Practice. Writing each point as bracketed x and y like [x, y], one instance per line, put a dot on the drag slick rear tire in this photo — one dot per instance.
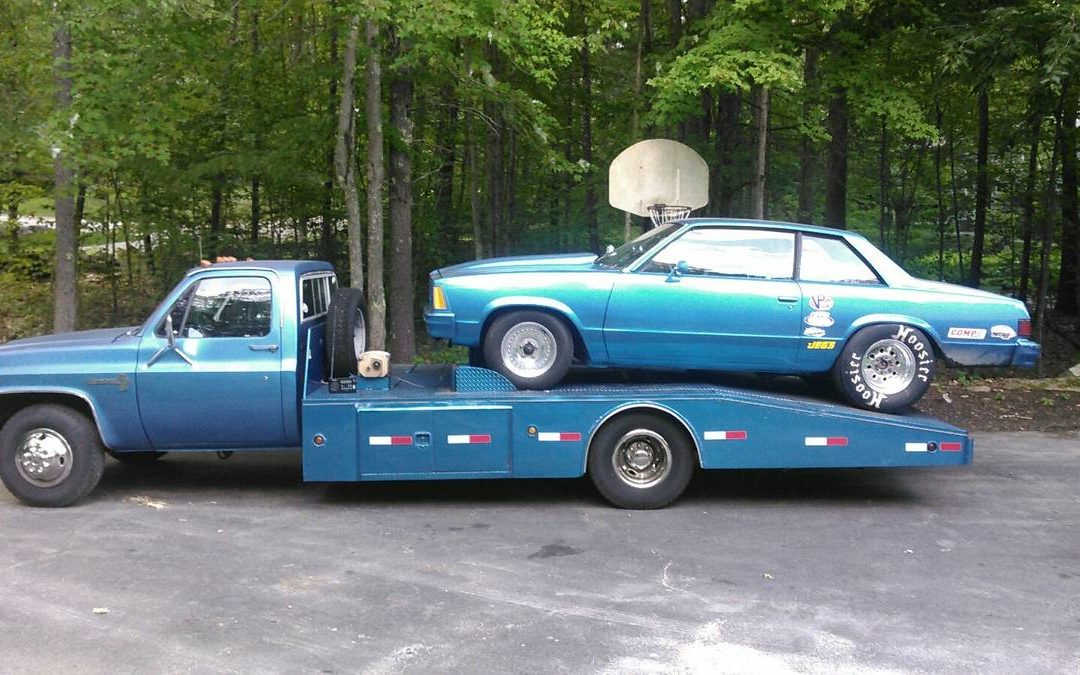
[641, 461]
[50, 455]
[885, 367]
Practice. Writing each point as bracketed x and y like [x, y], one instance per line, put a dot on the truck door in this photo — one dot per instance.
[217, 384]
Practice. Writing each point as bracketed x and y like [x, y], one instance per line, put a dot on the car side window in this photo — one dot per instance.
[224, 307]
[832, 260]
[755, 254]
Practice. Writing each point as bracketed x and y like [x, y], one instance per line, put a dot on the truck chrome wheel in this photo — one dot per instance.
[44, 458]
[528, 349]
[642, 458]
[888, 367]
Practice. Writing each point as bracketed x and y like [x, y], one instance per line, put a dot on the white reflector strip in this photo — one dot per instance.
[916, 447]
[826, 441]
[389, 440]
[725, 435]
[468, 439]
[558, 436]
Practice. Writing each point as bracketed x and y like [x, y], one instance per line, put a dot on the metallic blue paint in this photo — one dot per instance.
[630, 317]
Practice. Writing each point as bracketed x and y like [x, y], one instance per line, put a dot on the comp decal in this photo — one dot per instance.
[821, 344]
[967, 333]
[813, 331]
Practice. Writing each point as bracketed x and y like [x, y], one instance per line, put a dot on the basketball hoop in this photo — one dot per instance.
[661, 214]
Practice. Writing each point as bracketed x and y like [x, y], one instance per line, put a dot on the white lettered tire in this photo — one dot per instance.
[885, 367]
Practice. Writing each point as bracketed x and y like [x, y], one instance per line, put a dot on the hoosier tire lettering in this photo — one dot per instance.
[885, 367]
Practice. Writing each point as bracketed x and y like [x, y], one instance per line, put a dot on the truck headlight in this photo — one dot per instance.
[438, 298]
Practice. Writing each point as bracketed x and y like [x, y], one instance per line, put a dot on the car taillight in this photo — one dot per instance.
[1023, 328]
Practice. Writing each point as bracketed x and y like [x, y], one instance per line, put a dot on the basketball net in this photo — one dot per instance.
[661, 214]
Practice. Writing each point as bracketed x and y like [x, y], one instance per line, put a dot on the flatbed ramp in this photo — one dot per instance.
[444, 422]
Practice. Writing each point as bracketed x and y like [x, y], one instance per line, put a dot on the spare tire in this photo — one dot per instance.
[346, 332]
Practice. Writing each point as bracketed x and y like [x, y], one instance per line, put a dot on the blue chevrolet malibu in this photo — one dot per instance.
[728, 295]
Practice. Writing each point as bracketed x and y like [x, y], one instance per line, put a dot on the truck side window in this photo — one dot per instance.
[224, 307]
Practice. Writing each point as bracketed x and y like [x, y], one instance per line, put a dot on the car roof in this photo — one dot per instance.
[771, 224]
[296, 267]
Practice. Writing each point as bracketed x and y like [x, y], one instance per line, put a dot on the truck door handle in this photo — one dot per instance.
[787, 298]
[263, 348]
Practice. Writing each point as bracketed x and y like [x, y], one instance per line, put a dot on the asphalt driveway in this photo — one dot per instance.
[208, 565]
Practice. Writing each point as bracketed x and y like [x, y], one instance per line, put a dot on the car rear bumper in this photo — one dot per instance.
[1026, 354]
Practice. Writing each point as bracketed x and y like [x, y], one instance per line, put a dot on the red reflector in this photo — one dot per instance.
[1023, 328]
[950, 446]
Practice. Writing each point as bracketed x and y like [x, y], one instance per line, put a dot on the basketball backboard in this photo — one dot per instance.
[658, 172]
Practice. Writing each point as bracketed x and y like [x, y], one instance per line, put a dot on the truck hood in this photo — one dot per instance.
[110, 350]
[569, 262]
[64, 341]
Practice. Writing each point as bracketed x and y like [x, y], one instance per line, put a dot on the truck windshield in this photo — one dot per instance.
[632, 250]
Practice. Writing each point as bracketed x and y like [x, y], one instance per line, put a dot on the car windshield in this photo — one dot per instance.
[632, 250]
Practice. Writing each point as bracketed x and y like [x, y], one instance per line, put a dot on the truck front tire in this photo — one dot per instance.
[641, 461]
[50, 455]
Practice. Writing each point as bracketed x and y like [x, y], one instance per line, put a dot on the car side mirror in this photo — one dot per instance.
[677, 271]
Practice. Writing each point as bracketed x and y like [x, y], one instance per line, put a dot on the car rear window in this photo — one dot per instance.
[831, 260]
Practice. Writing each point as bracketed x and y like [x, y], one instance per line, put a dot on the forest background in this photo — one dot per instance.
[390, 138]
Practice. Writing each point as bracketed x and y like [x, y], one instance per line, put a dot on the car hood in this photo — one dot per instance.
[569, 262]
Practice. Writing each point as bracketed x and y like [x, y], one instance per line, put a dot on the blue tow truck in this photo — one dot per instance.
[263, 355]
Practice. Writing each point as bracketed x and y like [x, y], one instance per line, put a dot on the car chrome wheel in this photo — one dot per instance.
[528, 349]
[642, 458]
[43, 458]
[888, 367]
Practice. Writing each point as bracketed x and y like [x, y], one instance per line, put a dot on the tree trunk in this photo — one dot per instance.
[217, 222]
[728, 133]
[807, 159]
[1070, 215]
[939, 193]
[65, 309]
[883, 186]
[326, 233]
[591, 223]
[982, 185]
[344, 159]
[836, 159]
[402, 286]
[955, 207]
[256, 213]
[376, 294]
[444, 186]
[493, 156]
[761, 142]
[1043, 291]
[1027, 214]
[475, 215]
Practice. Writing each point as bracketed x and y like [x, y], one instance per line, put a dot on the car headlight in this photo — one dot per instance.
[438, 298]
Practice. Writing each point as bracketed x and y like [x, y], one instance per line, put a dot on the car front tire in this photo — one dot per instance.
[532, 349]
[885, 367]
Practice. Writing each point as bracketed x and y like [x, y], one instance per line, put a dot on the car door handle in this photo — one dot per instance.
[263, 348]
[787, 298]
